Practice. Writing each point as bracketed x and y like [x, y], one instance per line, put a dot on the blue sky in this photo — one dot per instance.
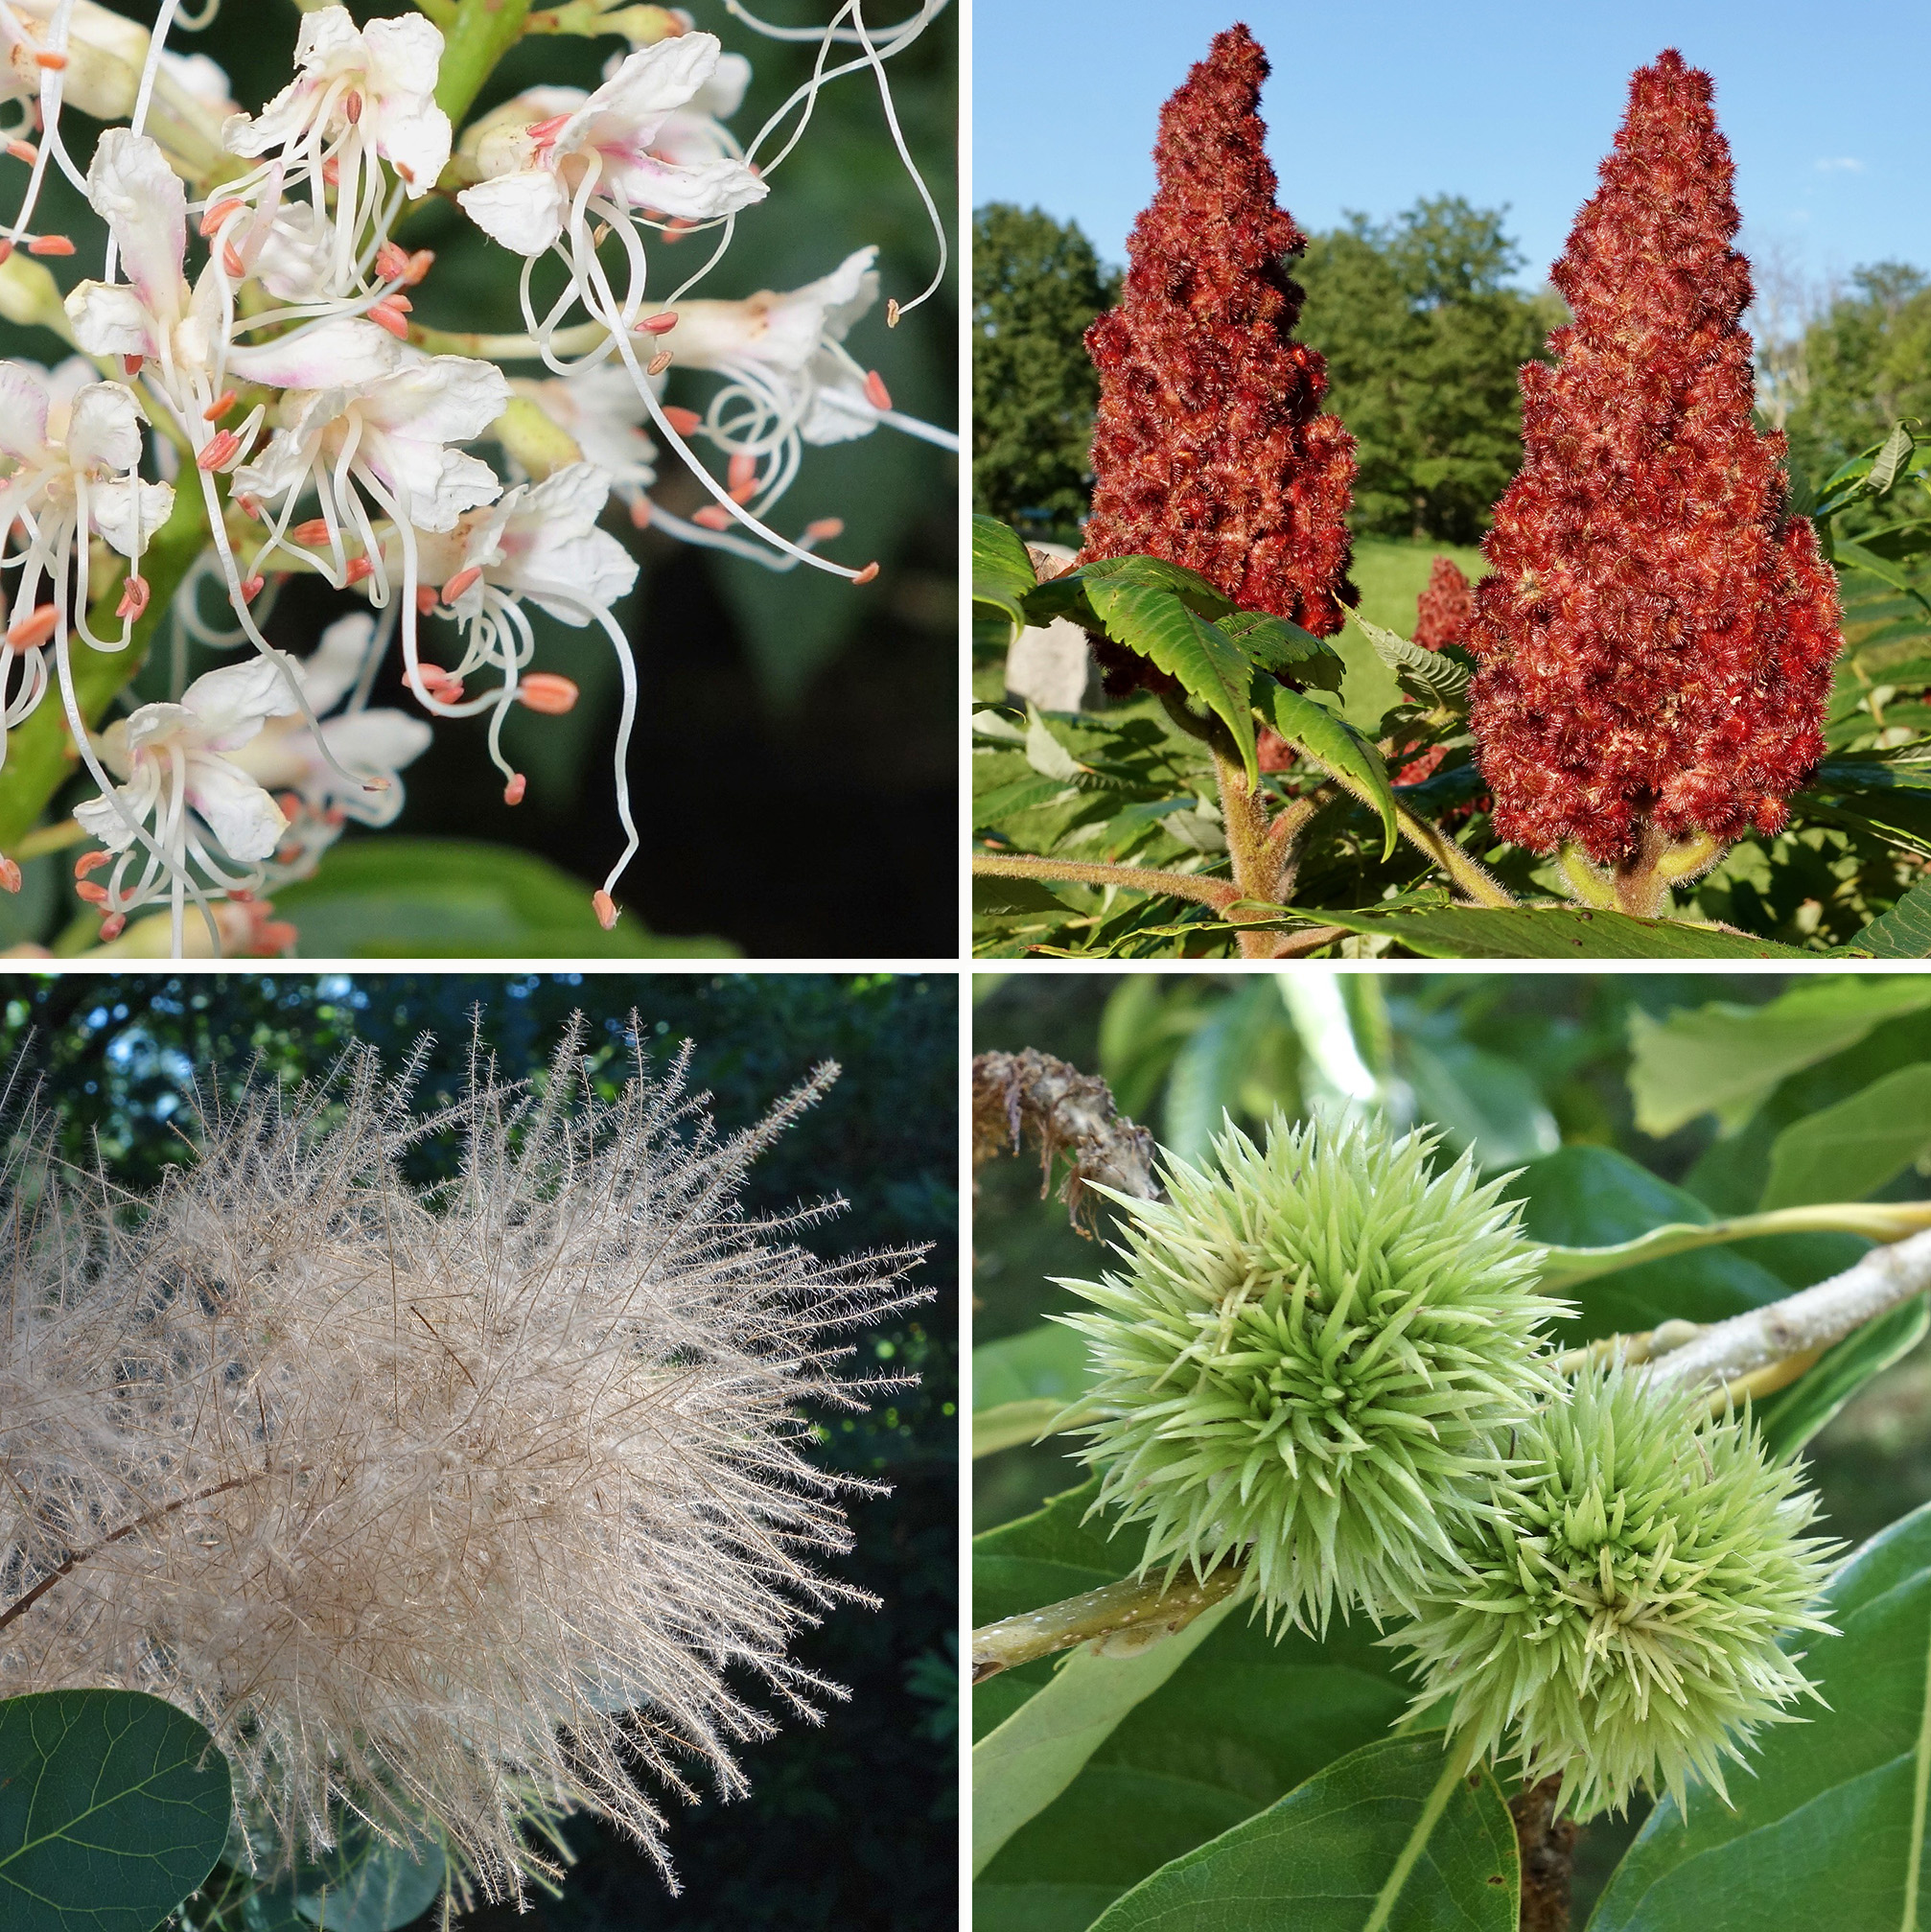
[1371, 106]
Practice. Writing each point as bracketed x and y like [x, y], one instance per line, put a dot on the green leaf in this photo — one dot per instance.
[1434, 677]
[390, 898]
[1830, 1830]
[1002, 574]
[1050, 1361]
[113, 1807]
[1390, 1818]
[1904, 932]
[1006, 899]
[1593, 1197]
[1209, 665]
[1726, 1059]
[1242, 1722]
[1335, 745]
[1846, 552]
[1548, 932]
[1020, 1767]
[1482, 1100]
[1890, 459]
[1070, 594]
[363, 1885]
[1793, 1415]
[1286, 649]
[1849, 1150]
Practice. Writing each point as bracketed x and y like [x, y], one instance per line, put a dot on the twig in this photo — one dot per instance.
[1216, 893]
[1812, 1319]
[21, 1605]
[1125, 1616]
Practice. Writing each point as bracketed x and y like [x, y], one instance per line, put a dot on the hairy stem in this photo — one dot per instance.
[1139, 1610]
[478, 38]
[1243, 814]
[1812, 1319]
[40, 753]
[1473, 878]
[1216, 893]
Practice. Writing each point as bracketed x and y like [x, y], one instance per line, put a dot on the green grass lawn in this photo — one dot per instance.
[1392, 570]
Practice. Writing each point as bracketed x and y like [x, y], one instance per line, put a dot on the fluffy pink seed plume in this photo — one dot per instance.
[448, 1507]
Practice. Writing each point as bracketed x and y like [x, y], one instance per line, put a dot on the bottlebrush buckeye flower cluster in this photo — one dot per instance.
[1211, 449]
[1656, 631]
[1620, 1618]
[252, 369]
[445, 1508]
[1311, 1361]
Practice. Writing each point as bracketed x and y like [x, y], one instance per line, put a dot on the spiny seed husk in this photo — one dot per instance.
[1308, 1359]
[1621, 1624]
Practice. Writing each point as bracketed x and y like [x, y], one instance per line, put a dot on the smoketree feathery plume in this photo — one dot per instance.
[448, 1507]
[1656, 631]
[1210, 448]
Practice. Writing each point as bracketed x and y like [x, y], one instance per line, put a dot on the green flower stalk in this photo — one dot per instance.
[1308, 1364]
[1622, 1624]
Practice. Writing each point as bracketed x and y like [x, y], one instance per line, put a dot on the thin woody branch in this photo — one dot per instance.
[1219, 893]
[1134, 1613]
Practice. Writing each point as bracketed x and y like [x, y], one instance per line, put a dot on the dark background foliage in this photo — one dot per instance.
[850, 1825]
[758, 693]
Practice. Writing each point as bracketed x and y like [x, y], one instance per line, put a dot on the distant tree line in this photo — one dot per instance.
[1424, 339]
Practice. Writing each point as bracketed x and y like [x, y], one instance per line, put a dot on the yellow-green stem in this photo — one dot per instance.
[479, 36]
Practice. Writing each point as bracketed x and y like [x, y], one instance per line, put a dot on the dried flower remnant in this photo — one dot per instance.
[1211, 449]
[1656, 632]
[445, 1505]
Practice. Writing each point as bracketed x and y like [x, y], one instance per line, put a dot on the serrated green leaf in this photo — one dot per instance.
[1904, 932]
[1002, 575]
[1548, 932]
[1286, 649]
[1849, 1150]
[1334, 744]
[1890, 459]
[1388, 1818]
[995, 897]
[1209, 665]
[1045, 753]
[113, 1807]
[1434, 677]
[1830, 1829]
[1846, 551]
[1793, 1415]
[393, 897]
[1070, 593]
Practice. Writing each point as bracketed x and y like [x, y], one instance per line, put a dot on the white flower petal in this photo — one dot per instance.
[330, 671]
[101, 819]
[436, 484]
[248, 821]
[699, 193]
[405, 54]
[113, 508]
[23, 411]
[575, 577]
[142, 200]
[655, 80]
[523, 212]
[103, 428]
[343, 350]
[111, 320]
[722, 94]
[279, 467]
[568, 500]
[442, 398]
[380, 740]
[228, 705]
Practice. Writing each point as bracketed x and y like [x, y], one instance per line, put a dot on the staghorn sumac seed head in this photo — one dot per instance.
[1210, 448]
[1656, 631]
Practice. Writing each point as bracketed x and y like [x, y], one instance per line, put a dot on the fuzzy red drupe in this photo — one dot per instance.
[1211, 449]
[1656, 632]
[1445, 608]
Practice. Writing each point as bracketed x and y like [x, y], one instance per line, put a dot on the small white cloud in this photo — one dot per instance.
[1845, 164]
